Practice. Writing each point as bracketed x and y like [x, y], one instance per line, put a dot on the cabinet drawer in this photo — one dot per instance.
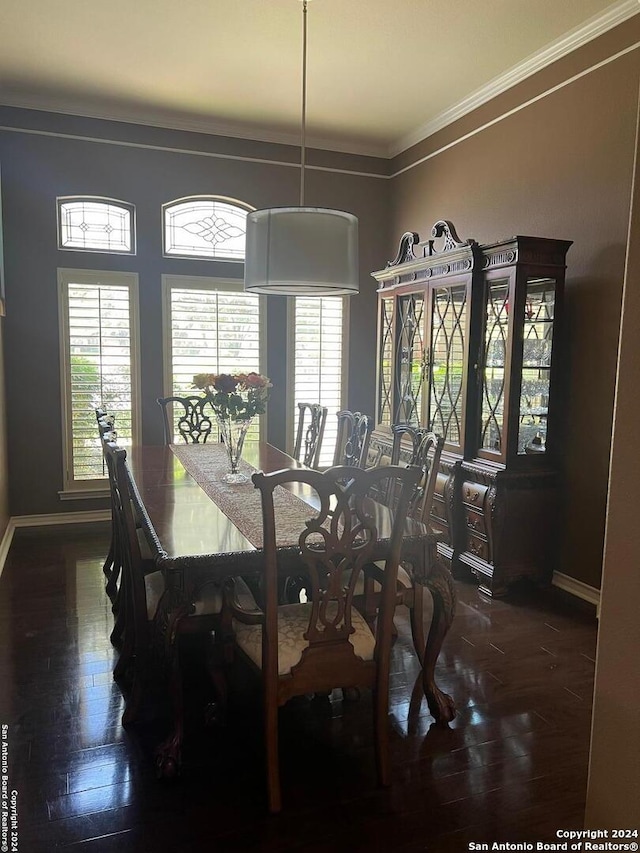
[474, 494]
[475, 521]
[477, 546]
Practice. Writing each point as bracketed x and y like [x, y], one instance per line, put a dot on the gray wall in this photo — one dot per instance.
[48, 162]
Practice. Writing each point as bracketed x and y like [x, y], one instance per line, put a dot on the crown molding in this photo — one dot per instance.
[591, 29]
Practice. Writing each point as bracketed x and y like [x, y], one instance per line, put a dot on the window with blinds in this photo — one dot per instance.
[213, 327]
[319, 361]
[99, 366]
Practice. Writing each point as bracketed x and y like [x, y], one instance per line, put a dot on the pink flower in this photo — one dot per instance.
[256, 380]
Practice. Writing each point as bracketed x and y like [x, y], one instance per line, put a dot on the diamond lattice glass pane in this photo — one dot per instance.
[386, 360]
[493, 376]
[213, 331]
[99, 370]
[205, 228]
[448, 342]
[410, 358]
[318, 348]
[536, 365]
[95, 225]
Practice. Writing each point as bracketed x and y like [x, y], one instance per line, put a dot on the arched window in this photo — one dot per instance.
[94, 224]
[210, 227]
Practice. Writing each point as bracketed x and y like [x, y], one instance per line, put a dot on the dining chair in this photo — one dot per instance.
[352, 442]
[112, 563]
[144, 587]
[416, 448]
[194, 422]
[112, 567]
[122, 635]
[310, 433]
[324, 643]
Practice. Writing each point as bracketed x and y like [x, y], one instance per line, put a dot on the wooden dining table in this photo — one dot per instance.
[196, 538]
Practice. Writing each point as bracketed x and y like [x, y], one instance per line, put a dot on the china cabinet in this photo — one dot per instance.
[466, 339]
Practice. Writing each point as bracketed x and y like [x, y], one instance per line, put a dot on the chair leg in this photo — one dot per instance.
[416, 618]
[108, 563]
[381, 733]
[133, 699]
[117, 635]
[123, 635]
[271, 742]
[112, 588]
[370, 607]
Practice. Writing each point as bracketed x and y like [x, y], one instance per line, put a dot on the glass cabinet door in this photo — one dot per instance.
[410, 361]
[447, 362]
[537, 340]
[494, 366]
[385, 362]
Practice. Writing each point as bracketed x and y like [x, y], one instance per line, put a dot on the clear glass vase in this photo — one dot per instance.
[233, 434]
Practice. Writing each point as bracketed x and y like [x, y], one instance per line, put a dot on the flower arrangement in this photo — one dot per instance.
[235, 396]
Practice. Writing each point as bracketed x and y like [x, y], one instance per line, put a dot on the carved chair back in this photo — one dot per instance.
[421, 448]
[195, 418]
[325, 643]
[352, 443]
[311, 421]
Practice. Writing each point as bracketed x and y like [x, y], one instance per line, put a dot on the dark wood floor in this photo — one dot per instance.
[511, 767]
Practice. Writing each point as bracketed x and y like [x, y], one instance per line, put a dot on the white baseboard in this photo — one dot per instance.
[46, 520]
[578, 588]
[5, 544]
[85, 517]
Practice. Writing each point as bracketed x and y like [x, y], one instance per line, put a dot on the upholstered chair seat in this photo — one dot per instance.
[293, 623]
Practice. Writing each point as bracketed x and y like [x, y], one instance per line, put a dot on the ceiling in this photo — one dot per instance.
[382, 74]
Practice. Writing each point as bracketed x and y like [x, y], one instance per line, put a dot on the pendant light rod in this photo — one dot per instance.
[301, 251]
[303, 129]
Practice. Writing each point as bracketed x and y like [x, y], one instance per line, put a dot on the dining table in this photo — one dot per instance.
[201, 530]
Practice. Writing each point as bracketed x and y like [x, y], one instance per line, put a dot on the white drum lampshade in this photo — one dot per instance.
[301, 251]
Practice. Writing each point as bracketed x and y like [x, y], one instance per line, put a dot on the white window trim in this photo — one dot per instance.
[114, 201]
[206, 283]
[202, 197]
[291, 336]
[91, 489]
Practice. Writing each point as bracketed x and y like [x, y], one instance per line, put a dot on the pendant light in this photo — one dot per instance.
[301, 251]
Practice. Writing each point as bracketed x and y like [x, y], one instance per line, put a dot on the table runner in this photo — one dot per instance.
[207, 463]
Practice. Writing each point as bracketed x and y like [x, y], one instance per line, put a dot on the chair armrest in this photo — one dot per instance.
[245, 610]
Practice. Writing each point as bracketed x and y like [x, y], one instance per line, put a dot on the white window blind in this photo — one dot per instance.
[319, 342]
[99, 355]
[212, 330]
